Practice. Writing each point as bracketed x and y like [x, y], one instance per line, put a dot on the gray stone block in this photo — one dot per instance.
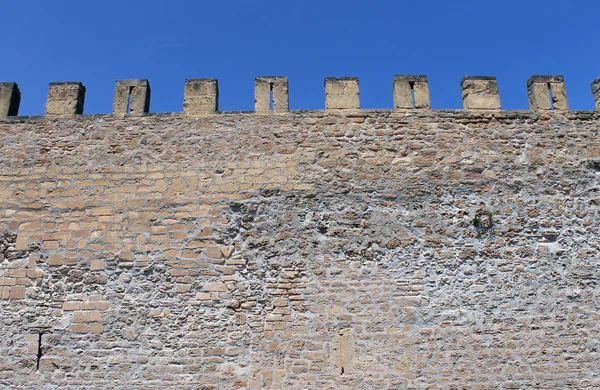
[201, 97]
[65, 98]
[411, 92]
[132, 97]
[480, 93]
[271, 93]
[342, 93]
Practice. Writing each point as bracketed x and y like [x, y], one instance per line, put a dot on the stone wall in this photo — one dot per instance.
[302, 250]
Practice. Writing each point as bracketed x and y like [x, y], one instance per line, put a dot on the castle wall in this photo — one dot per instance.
[318, 249]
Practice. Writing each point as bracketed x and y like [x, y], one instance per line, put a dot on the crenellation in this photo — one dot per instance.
[411, 92]
[547, 93]
[201, 97]
[65, 98]
[480, 93]
[132, 97]
[271, 94]
[10, 99]
[342, 93]
[596, 92]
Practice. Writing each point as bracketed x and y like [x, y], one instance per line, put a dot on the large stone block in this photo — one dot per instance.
[480, 93]
[65, 98]
[271, 94]
[341, 93]
[10, 98]
[547, 93]
[411, 92]
[132, 97]
[201, 97]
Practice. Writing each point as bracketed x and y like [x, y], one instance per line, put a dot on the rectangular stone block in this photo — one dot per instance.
[65, 98]
[342, 93]
[201, 97]
[547, 93]
[10, 99]
[132, 97]
[596, 92]
[411, 92]
[480, 93]
[271, 94]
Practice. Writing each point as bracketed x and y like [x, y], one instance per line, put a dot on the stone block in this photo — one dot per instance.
[10, 99]
[97, 265]
[547, 93]
[132, 97]
[65, 98]
[596, 92]
[17, 292]
[201, 97]
[271, 94]
[411, 92]
[342, 93]
[480, 93]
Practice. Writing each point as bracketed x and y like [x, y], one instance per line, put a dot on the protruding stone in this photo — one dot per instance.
[10, 99]
[132, 97]
[65, 98]
[271, 94]
[480, 93]
[411, 92]
[341, 93]
[547, 93]
[201, 97]
[596, 92]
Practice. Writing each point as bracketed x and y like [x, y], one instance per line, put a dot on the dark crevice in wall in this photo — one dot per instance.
[39, 352]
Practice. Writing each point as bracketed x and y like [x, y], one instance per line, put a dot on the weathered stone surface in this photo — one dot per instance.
[480, 93]
[411, 92]
[547, 93]
[65, 98]
[271, 94]
[132, 97]
[341, 93]
[311, 250]
[201, 97]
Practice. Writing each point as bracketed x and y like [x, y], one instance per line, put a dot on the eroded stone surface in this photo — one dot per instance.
[433, 249]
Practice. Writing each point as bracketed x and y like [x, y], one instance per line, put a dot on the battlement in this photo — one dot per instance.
[201, 96]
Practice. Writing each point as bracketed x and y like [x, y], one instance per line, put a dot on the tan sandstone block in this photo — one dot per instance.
[55, 259]
[17, 292]
[215, 287]
[96, 328]
[97, 265]
[79, 328]
[69, 306]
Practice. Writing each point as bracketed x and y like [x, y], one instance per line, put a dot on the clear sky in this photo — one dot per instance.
[98, 42]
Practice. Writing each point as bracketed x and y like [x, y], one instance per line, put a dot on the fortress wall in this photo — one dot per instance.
[318, 249]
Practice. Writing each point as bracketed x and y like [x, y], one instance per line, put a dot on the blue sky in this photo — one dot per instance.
[98, 42]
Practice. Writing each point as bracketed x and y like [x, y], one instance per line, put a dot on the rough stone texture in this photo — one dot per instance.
[313, 250]
[480, 93]
[341, 93]
[132, 97]
[271, 94]
[596, 92]
[10, 99]
[201, 97]
[411, 92]
[65, 98]
[539, 89]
